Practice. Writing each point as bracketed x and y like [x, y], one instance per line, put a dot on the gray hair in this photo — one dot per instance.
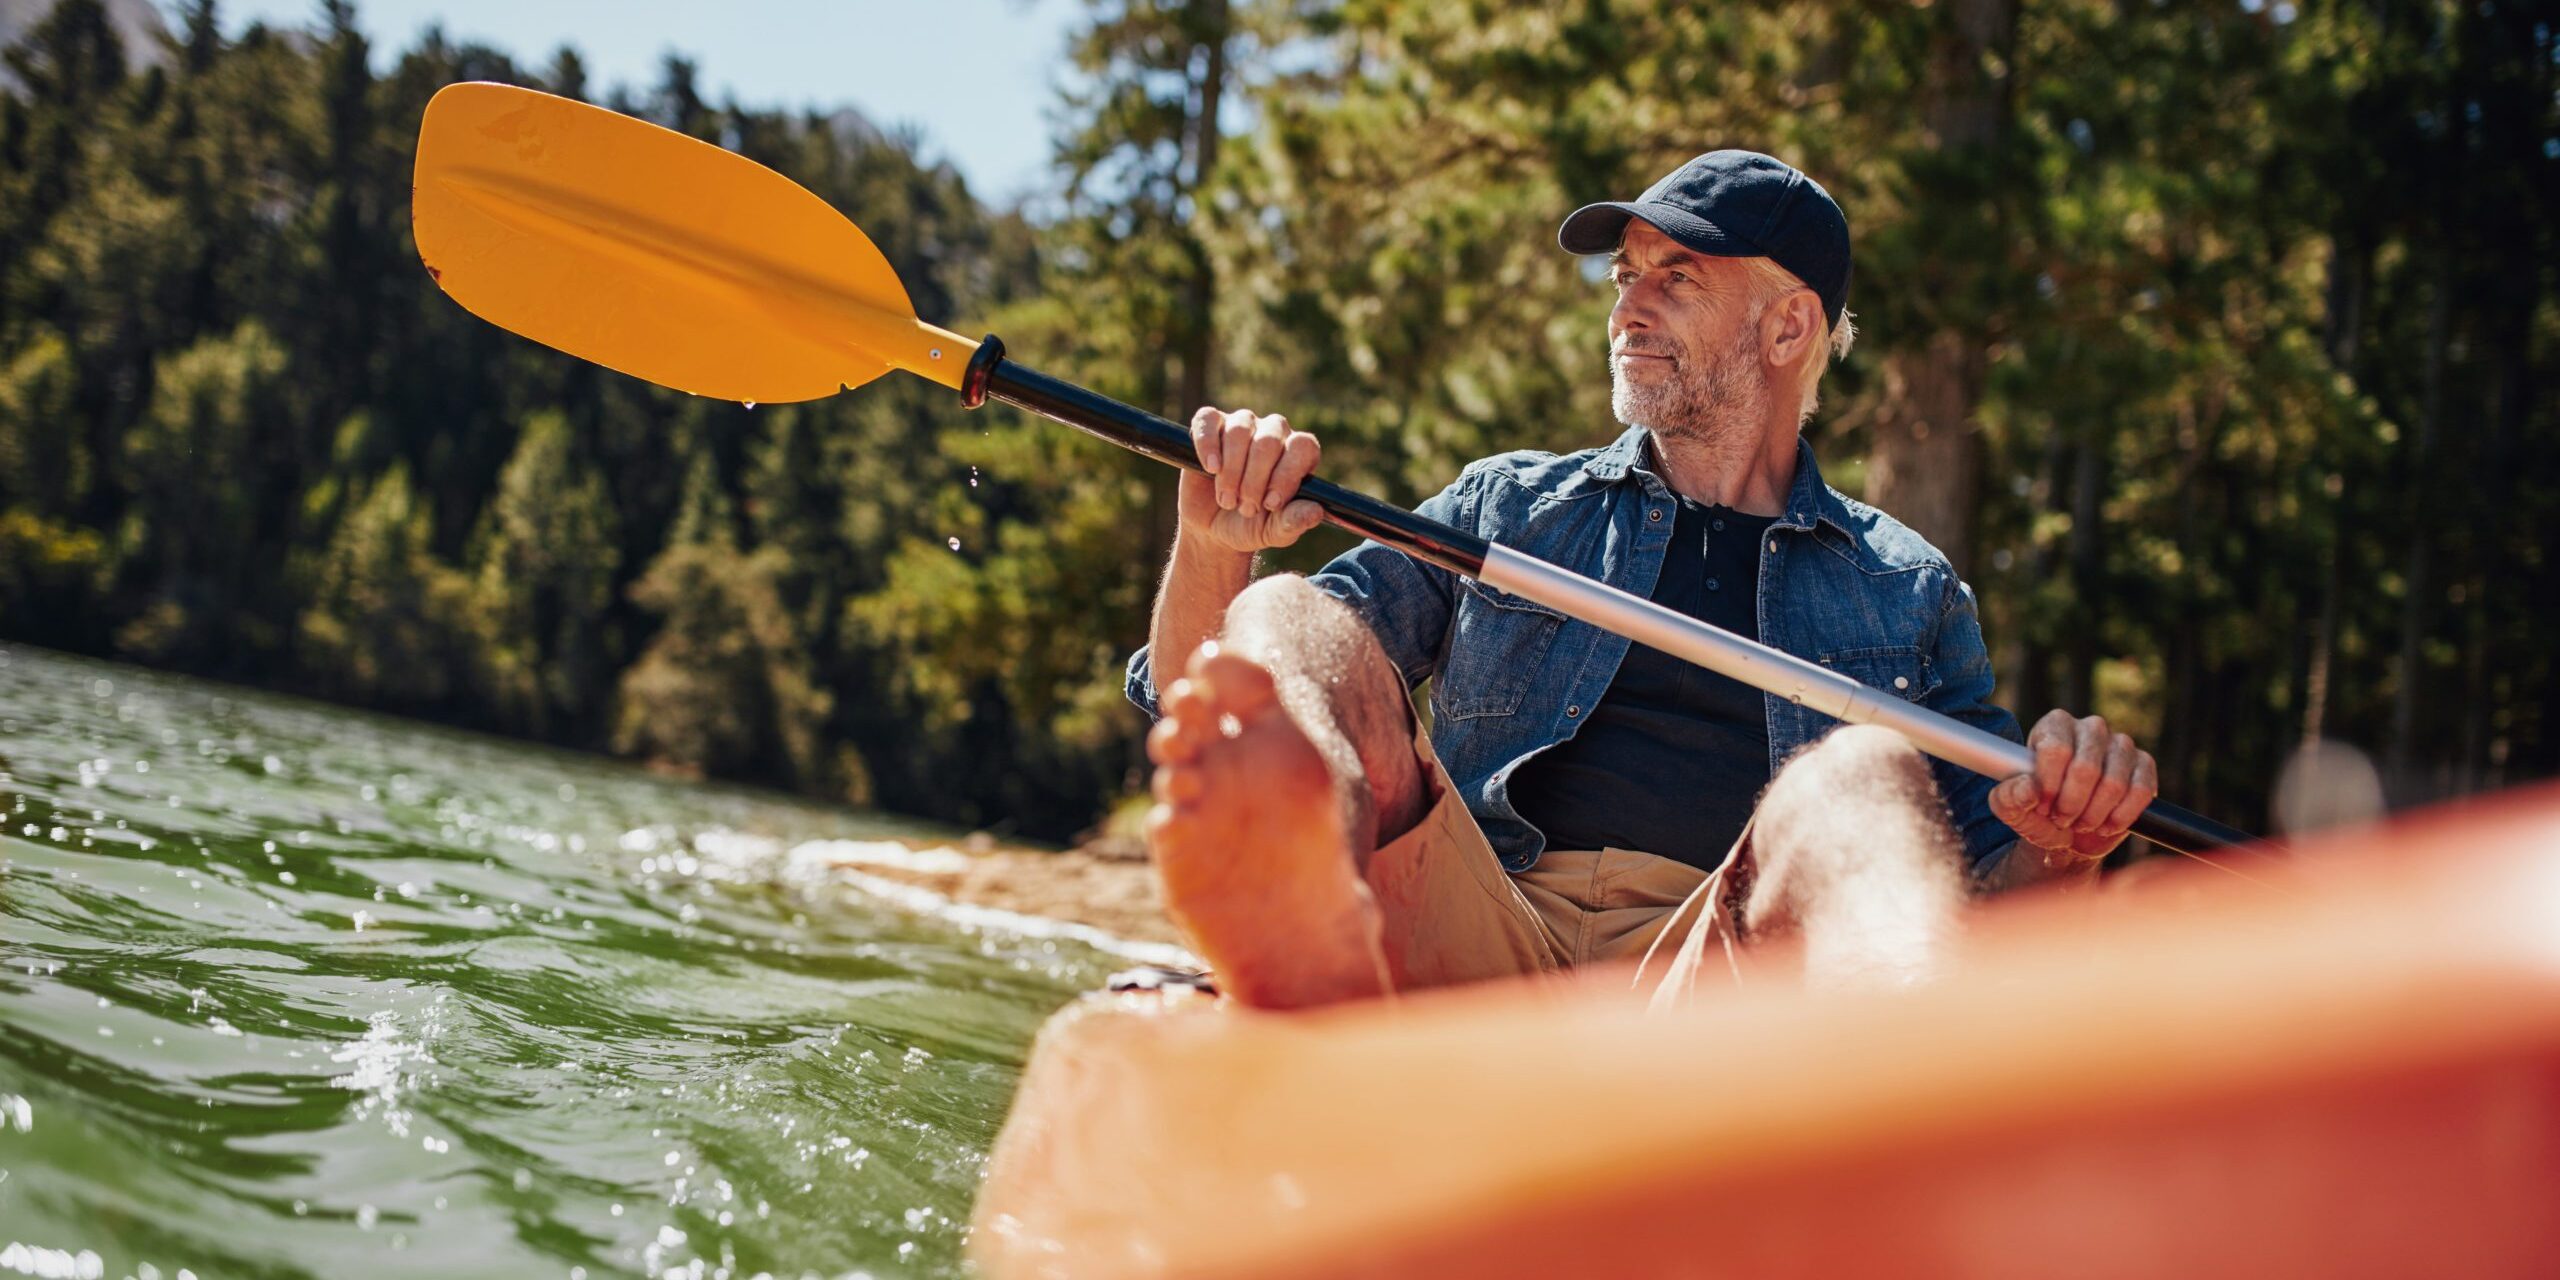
[1771, 282]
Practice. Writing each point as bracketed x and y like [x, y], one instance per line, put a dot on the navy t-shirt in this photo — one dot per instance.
[1673, 759]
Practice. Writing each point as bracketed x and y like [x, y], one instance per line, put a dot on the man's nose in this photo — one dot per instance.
[1634, 310]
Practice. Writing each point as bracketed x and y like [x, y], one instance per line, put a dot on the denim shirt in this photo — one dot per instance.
[1841, 583]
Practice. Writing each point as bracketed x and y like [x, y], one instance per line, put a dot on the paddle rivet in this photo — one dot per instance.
[934, 354]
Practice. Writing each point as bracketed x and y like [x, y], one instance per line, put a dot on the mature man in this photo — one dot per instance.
[1577, 795]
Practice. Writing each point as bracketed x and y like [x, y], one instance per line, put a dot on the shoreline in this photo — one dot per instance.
[1097, 888]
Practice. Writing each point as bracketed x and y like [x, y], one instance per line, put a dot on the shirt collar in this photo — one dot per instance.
[1808, 500]
[1612, 464]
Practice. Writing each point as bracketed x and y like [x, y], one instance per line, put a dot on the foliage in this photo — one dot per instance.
[387, 623]
[2199, 314]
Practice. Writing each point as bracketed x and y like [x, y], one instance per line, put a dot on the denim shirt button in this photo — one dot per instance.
[1713, 585]
[1572, 712]
[1716, 525]
[1773, 544]
[1654, 515]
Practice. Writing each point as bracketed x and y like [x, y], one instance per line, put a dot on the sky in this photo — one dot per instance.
[976, 78]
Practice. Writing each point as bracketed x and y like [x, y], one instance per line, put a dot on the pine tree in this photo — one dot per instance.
[544, 561]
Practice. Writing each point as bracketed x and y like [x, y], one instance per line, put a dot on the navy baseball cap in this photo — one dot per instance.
[1734, 204]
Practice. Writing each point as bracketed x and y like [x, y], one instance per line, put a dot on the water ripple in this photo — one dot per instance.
[290, 990]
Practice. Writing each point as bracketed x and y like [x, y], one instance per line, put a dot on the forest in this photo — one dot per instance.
[2212, 340]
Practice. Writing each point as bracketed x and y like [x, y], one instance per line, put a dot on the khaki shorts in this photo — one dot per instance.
[1453, 915]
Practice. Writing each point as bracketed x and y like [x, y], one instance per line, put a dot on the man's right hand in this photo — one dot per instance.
[1248, 498]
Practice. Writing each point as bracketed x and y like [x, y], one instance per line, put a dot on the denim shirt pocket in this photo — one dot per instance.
[1497, 650]
[1899, 669]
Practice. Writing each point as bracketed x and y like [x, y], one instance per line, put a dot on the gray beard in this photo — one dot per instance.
[1719, 401]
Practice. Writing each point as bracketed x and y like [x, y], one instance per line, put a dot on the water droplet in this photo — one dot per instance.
[955, 544]
[749, 405]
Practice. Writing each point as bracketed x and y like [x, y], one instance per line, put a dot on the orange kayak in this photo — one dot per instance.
[2347, 1064]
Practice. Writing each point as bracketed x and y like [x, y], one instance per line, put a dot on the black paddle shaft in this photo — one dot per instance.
[991, 376]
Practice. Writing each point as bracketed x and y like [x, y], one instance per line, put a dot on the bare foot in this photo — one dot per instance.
[1248, 841]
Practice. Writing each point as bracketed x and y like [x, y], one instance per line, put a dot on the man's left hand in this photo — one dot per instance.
[2088, 786]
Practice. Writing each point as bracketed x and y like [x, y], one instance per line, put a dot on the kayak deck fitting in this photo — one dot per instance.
[2347, 1065]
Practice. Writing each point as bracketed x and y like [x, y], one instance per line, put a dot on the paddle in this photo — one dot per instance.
[671, 260]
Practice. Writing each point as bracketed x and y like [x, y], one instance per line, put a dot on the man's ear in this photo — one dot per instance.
[1792, 326]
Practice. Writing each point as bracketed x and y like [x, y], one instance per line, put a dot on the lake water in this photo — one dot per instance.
[291, 990]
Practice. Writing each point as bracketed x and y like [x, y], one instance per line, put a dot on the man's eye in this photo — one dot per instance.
[1680, 277]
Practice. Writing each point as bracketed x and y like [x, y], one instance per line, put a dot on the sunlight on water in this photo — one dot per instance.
[290, 990]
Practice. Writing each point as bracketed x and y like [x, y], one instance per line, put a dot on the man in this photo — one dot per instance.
[1579, 797]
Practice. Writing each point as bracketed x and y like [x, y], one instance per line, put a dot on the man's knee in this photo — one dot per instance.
[1854, 759]
[1294, 626]
[1345, 692]
[1846, 803]
[1281, 605]
[1852, 844]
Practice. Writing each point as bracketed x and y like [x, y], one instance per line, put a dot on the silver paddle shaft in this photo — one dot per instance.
[1753, 663]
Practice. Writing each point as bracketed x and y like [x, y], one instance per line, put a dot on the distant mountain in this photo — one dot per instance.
[138, 22]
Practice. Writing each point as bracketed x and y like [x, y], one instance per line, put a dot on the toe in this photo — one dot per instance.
[1186, 699]
[1174, 785]
[1202, 656]
[1161, 822]
[1177, 739]
[1237, 685]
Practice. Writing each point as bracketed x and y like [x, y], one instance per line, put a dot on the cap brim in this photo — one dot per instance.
[1597, 228]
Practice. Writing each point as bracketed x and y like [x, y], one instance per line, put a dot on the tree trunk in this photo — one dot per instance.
[1924, 464]
[1200, 292]
[2088, 483]
[2037, 638]
[1924, 467]
[2324, 641]
[1198, 337]
[2419, 584]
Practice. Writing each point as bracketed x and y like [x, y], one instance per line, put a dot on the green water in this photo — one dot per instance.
[291, 990]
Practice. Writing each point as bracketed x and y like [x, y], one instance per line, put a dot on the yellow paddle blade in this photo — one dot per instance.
[657, 255]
